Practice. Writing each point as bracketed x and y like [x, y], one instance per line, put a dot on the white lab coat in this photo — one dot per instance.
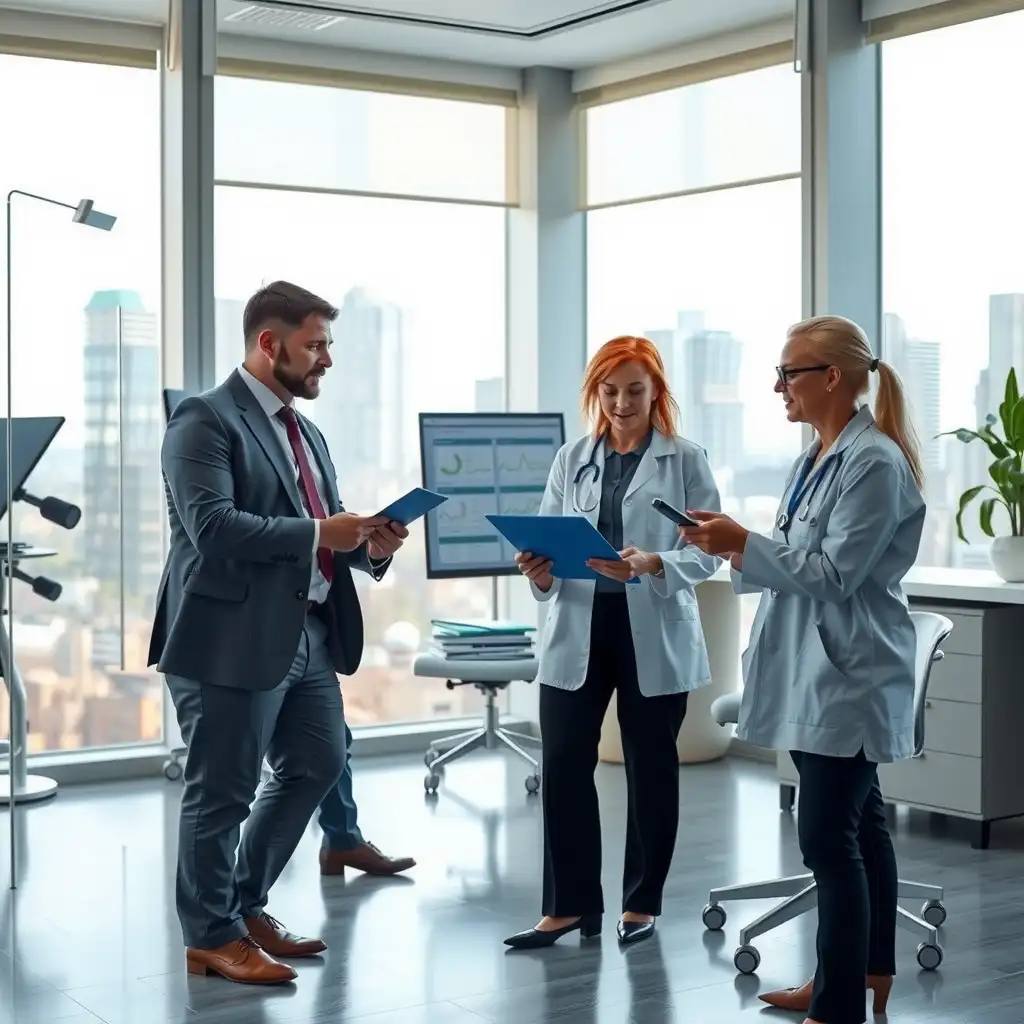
[830, 665]
[667, 635]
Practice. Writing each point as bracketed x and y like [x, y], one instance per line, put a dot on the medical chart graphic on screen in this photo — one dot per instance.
[485, 463]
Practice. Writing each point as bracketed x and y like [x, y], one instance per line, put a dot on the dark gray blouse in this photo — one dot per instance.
[616, 477]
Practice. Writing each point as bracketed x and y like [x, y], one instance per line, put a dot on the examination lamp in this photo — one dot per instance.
[56, 510]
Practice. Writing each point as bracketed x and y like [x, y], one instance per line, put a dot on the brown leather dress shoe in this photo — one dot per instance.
[365, 857]
[273, 937]
[799, 999]
[242, 961]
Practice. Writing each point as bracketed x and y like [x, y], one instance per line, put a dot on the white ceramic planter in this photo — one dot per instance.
[1007, 555]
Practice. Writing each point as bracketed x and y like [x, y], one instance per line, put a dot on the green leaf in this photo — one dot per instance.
[1015, 431]
[965, 499]
[985, 516]
[1012, 394]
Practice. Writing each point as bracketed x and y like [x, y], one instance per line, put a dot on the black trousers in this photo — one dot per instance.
[845, 842]
[570, 724]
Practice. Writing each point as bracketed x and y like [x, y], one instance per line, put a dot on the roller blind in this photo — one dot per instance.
[239, 67]
[889, 19]
[89, 53]
[689, 74]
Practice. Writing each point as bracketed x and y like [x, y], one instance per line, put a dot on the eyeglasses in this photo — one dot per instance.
[787, 373]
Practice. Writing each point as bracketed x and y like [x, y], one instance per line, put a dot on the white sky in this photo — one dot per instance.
[954, 212]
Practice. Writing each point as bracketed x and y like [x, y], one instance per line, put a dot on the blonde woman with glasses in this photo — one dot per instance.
[829, 671]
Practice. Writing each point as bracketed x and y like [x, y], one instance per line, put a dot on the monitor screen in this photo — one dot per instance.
[485, 463]
[172, 398]
[30, 437]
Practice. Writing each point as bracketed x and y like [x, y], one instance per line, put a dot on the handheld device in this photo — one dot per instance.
[672, 513]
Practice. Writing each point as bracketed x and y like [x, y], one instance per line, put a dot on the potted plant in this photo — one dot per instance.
[1006, 490]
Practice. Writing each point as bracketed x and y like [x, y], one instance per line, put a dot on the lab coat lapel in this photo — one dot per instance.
[648, 468]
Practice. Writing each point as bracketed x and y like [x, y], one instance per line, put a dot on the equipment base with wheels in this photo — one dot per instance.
[490, 736]
[36, 789]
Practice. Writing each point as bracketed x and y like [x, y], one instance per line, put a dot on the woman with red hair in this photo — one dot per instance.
[633, 629]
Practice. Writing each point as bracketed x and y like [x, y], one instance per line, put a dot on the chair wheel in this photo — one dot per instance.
[532, 784]
[934, 913]
[929, 956]
[714, 917]
[173, 770]
[746, 959]
[431, 782]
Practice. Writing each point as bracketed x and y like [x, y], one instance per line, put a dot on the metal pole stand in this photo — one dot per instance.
[27, 788]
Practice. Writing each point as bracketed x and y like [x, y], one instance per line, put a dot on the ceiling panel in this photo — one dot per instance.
[613, 37]
[524, 18]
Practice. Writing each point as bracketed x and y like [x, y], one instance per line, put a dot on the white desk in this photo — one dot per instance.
[972, 766]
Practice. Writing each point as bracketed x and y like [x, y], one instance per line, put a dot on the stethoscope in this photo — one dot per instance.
[588, 471]
[803, 487]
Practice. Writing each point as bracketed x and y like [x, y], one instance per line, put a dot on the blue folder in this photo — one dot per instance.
[567, 540]
[412, 506]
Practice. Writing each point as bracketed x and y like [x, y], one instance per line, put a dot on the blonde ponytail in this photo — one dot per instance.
[843, 344]
[892, 419]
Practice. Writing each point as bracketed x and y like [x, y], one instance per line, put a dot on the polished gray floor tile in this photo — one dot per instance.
[91, 935]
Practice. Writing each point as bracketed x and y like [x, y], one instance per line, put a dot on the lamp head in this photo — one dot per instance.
[86, 213]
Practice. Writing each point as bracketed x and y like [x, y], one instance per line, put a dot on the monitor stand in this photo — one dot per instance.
[27, 788]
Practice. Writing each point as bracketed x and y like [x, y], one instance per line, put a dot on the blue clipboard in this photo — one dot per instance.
[412, 506]
[567, 540]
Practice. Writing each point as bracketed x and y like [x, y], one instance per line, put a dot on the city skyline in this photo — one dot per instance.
[951, 220]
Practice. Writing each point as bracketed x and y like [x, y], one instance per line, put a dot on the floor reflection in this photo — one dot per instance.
[91, 933]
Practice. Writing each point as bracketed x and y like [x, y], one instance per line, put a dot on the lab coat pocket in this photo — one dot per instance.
[822, 692]
[680, 610]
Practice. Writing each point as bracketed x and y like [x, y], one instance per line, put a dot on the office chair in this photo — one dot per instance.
[490, 678]
[800, 891]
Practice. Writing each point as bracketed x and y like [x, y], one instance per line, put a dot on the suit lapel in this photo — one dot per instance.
[259, 425]
[323, 460]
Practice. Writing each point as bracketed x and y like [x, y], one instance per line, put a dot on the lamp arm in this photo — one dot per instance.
[41, 199]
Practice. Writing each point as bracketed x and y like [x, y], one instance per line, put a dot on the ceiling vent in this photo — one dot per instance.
[275, 17]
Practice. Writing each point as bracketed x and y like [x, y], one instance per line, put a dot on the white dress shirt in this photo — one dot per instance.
[319, 587]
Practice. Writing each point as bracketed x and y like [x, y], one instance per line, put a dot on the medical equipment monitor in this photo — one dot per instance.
[485, 463]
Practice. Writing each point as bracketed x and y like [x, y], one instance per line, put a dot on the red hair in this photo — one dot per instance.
[607, 359]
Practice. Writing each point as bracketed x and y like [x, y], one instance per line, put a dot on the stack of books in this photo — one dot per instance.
[481, 639]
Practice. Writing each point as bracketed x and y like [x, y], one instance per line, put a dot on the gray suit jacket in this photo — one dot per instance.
[234, 591]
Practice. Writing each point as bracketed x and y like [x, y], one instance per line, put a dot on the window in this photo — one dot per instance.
[86, 346]
[953, 274]
[712, 277]
[360, 141]
[421, 289]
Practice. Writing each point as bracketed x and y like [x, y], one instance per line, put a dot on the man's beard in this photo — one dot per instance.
[293, 383]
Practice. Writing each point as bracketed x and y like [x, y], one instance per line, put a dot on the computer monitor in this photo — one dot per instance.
[30, 437]
[485, 463]
[172, 398]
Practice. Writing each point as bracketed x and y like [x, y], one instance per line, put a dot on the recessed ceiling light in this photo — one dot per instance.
[275, 17]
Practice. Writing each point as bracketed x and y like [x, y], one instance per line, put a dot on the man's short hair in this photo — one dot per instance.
[285, 303]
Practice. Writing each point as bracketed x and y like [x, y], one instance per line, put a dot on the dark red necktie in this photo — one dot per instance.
[306, 484]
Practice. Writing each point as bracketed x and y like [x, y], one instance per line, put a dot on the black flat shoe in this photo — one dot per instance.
[588, 926]
[634, 931]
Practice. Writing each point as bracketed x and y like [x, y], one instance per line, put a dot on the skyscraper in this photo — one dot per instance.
[123, 503]
[1005, 344]
[919, 365]
[362, 409]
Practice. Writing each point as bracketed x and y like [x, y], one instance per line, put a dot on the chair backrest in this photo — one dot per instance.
[931, 629]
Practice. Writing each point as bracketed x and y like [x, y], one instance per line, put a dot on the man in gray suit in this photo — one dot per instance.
[256, 615]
